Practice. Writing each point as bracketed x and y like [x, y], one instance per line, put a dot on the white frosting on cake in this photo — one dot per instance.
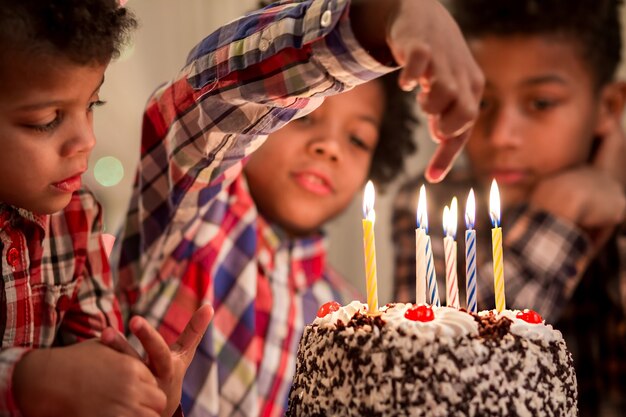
[344, 314]
[533, 331]
[448, 321]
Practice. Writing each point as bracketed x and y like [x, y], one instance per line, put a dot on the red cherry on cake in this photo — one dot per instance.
[328, 308]
[529, 316]
[420, 313]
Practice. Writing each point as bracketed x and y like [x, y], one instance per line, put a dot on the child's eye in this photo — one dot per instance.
[305, 120]
[359, 142]
[95, 104]
[542, 104]
[48, 126]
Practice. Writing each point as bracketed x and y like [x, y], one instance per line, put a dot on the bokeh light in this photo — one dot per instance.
[108, 171]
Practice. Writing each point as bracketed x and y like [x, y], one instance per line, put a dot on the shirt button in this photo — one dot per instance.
[13, 256]
[326, 19]
[264, 44]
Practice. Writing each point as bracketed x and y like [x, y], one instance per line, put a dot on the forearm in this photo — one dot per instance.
[9, 360]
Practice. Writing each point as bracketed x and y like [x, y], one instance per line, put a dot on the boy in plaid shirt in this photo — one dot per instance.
[217, 217]
[56, 289]
[549, 132]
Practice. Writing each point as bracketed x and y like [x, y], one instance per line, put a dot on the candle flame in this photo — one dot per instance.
[422, 212]
[445, 221]
[453, 217]
[368, 202]
[470, 210]
[494, 204]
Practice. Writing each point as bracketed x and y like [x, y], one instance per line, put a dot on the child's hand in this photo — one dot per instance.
[85, 379]
[168, 364]
[424, 39]
[590, 196]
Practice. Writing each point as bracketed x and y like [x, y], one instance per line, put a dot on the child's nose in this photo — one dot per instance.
[81, 141]
[504, 130]
[326, 147]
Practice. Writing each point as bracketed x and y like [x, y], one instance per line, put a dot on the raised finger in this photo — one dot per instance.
[192, 334]
[444, 157]
[158, 352]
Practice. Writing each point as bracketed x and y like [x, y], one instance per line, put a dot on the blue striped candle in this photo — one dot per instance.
[470, 253]
[431, 276]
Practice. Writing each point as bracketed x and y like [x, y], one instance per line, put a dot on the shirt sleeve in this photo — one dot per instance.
[8, 360]
[544, 258]
[239, 84]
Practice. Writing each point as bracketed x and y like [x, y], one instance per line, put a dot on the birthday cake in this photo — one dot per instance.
[421, 361]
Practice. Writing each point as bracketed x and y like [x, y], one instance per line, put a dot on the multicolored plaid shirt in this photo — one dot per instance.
[547, 268]
[194, 234]
[56, 287]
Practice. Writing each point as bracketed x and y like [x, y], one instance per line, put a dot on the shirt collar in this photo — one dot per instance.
[9, 214]
[306, 256]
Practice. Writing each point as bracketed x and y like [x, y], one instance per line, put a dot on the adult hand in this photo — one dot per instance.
[591, 196]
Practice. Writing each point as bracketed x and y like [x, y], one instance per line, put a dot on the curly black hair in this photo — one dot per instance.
[592, 25]
[396, 132]
[83, 31]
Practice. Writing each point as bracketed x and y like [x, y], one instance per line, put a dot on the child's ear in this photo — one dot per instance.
[612, 101]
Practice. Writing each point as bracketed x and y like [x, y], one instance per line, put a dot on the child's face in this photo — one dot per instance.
[46, 132]
[308, 172]
[539, 113]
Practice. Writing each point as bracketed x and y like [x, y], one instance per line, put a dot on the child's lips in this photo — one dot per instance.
[509, 176]
[315, 182]
[69, 184]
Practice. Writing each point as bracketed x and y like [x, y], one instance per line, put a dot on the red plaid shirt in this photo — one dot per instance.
[56, 284]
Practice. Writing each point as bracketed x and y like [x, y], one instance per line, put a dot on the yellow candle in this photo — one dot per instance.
[496, 241]
[369, 247]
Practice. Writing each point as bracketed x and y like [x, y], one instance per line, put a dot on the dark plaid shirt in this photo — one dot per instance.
[547, 267]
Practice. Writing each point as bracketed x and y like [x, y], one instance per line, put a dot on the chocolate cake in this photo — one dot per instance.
[420, 361]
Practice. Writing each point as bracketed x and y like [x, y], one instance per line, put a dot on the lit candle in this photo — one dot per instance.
[431, 276]
[420, 249]
[369, 247]
[470, 253]
[496, 241]
[450, 248]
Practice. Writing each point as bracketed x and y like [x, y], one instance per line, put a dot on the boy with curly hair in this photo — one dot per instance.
[57, 289]
[550, 133]
[230, 199]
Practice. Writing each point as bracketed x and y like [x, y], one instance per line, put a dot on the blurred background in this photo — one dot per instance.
[168, 30]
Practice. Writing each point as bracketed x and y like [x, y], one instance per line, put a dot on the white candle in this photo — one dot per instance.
[420, 249]
[450, 250]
